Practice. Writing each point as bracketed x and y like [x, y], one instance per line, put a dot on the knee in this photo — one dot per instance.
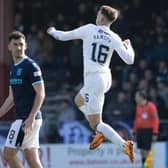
[7, 156]
[32, 158]
[32, 162]
[94, 120]
[79, 101]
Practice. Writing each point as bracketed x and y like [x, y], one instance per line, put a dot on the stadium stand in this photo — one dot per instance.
[62, 62]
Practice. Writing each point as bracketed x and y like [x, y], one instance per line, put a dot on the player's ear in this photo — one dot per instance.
[25, 46]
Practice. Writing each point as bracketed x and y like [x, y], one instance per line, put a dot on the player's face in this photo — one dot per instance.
[138, 99]
[17, 47]
[99, 18]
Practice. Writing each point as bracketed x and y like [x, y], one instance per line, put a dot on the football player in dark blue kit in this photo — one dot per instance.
[26, 94]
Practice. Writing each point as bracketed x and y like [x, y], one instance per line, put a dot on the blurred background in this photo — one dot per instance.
[145, 22]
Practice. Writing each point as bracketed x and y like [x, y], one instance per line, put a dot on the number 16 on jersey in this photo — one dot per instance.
[102, 53]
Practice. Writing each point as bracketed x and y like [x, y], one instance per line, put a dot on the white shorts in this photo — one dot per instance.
[95, 86]
[17, 139]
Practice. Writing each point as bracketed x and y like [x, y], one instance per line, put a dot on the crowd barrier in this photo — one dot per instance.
[79, 156]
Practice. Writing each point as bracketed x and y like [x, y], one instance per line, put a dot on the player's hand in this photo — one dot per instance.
[126, 43]
[50, 30]
[28, 125]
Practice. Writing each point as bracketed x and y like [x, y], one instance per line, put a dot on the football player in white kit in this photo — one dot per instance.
[99, 42]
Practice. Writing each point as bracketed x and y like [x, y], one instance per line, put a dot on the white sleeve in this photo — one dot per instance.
[77, 33]
[126, 54]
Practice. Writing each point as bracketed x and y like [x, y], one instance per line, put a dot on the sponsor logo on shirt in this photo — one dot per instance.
[38, 73]
[16, 81]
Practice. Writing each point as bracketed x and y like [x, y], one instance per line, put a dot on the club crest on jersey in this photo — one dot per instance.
[19, 71]
[144, 115]
[100, 31]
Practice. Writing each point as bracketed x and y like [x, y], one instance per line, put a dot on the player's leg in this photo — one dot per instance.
[104, 130]
[80, 102]
[12, 144]
[11, 158]
[95, 105]
[144, 155]
[32, 157]
[95, 120]
[90, 101]
[96, 123]
[31, 146]
[144, 141]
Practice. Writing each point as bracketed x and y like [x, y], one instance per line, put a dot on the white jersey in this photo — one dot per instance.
[99, 42]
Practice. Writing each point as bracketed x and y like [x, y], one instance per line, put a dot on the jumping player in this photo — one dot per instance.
[99, 42]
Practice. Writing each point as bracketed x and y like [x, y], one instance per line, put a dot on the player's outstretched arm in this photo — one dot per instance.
[63, 35]
[8, 104]
[77, 33]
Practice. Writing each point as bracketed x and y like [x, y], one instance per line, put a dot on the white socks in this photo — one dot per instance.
[109, 133]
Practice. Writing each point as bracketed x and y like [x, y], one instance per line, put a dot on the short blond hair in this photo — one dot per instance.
[110, 13]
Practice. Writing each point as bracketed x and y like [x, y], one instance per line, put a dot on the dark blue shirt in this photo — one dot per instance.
[23, 76]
